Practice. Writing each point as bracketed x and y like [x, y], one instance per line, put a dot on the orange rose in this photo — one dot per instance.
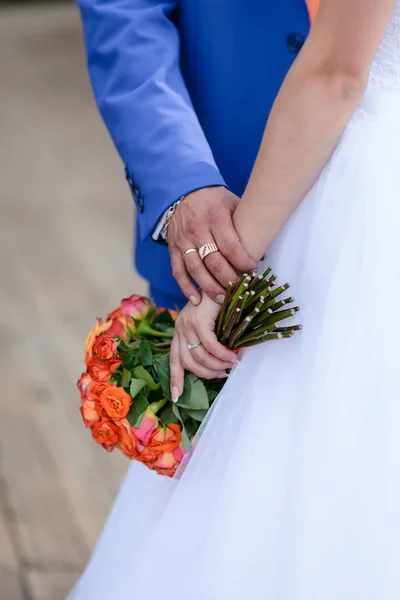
[165, 440]
[89, 413]
[84, 385]
[119, 323]
[115, 401]
[161, 442]
[97, 388]
[104, 434]
[115, 314]
[127, 442]
[99, 328]
[95, 392]
[104, 347]
[101, 370]
[166, 464]
[146, 456]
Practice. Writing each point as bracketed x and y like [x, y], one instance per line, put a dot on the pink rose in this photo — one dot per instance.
[118, 324]
[148, 424]
[179, 452]
[135, 307]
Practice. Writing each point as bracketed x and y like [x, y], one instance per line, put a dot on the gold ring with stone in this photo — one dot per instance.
[208, 249]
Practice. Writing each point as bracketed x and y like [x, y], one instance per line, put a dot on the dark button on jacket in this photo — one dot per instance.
[295, 42]
[135, 192]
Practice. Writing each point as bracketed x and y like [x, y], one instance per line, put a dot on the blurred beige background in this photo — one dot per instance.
[65, 247]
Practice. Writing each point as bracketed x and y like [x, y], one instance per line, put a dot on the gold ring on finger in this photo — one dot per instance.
[208, 249]
[188, 251]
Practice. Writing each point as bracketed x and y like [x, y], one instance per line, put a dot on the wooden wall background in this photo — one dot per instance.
[65, 251]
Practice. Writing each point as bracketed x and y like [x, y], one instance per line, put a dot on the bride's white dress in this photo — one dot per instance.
[293, 491]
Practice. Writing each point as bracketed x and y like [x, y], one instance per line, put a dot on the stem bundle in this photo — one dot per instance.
[251, 312]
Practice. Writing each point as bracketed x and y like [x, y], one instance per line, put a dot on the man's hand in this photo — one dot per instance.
[206, 216]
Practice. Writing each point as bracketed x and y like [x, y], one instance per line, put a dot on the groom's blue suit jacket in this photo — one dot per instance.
[185, 88]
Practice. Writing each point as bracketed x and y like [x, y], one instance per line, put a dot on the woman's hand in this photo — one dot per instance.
[210, 359]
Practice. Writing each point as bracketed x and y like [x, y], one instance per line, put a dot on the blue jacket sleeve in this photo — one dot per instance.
[133, 60]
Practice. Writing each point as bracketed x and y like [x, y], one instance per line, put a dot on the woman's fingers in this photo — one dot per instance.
[189, 362]
[177, 371]
[195, 347]
[214, 347]
[204, 358]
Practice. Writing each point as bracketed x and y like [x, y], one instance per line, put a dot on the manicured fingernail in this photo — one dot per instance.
[175, 395]
[220, 298]
[222, 375]
[193, 300]
[235, 361]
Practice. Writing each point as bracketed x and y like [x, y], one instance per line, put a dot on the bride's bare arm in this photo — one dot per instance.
[317, 99]
[316, 102]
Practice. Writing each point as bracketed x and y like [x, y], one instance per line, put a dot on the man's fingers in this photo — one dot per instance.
[220, 268]
[177, 371]
[181, 275]
[232, 248]
[203, 277]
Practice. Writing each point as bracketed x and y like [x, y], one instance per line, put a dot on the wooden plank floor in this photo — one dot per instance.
[65, 248]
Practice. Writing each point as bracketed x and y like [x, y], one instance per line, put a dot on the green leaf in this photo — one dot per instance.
[137, 410]
[157, 406]
[167, 416]
[145, 353]
[129, 362]
[197, 415]
[136, 386]
[212, 394]
[194, 393]
[161, 367]
[191, 427]
[141, 373]
[125, 378]
[164, 322]
[154, 395]
[185, 438]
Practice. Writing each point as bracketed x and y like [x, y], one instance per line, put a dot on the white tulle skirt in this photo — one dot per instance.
[293, 490]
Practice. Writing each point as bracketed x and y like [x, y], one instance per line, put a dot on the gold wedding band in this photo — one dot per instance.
[208, 249]
[188, 251]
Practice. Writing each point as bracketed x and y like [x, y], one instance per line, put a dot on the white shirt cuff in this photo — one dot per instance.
[159, 230]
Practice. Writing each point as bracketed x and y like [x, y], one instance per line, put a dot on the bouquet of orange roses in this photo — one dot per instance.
[125, 392]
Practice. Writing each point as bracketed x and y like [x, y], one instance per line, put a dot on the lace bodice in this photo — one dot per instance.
[385, 69]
